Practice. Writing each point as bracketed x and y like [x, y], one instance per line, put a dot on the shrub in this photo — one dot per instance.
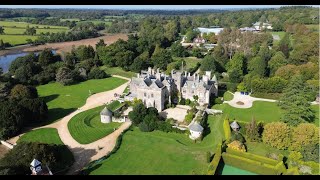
[236, 136]
[218, 100]
[96, 73]
[215, 161]
[237, 145]
[251, 156]
[227, 129]
[304, 134]
[188, 118]
[208, 155]
[277, 135]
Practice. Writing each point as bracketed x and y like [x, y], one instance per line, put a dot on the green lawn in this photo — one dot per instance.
[118, 71]
[190, 62]
[16, 39]
[227, 96]
[280, 34]
[86, 126]
[161, 153]
[70, 19]
[44, 135]
[261, 111]
[62, 100]
[115, 105]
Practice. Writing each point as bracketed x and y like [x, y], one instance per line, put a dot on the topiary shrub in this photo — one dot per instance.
[237, 145]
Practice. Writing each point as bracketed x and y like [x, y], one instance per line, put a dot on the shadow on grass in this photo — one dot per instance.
[82, 158]
[220, 167]
[56, 114]
[50, 97]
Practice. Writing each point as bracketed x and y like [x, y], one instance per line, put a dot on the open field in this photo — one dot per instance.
[15, 31]
[163, 153]
[44, 135]
[190, 61]
[118, 71]
[261, 111]
[86, 126]
[70, 19]
[24, 25]
[313, 27]
[67, 46]
[16, 39]
[96, 22]
[62, 100]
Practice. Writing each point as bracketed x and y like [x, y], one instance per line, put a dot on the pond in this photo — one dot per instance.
[6, 60]
[224, 169]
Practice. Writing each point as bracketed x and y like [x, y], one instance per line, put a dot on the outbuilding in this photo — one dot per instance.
[195, 130]
[106, 115]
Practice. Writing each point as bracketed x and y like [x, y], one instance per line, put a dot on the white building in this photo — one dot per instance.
[235, 126]
[216, 31]
[260, 26]
[106, 115]
[37, 169]
[195, 130]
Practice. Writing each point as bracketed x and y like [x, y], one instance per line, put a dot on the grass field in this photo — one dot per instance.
[15, 31]
[70, 19]
[190, 62]
[313, 27]
[16, 39]
[118, 71]
[261, 111]
[96, 22]
[24, 24]
[86, 126]
[44, 135]
[227, 96]
[62, 100]
[280, 34]
[162, 153]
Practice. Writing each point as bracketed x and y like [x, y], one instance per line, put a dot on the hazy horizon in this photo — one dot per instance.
[145, 7]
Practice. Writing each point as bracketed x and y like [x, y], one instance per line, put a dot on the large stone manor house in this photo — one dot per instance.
[157, 89]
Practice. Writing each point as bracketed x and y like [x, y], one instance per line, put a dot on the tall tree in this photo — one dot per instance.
[46, 57]
[208, 63]
[284, 45]
[257, 66]
[100, 43]
[161, 58]
[295, 102]
[252, 131]
[276, 62]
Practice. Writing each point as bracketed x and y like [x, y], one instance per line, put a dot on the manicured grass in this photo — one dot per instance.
[261, 111]
[161, 153]
[190, 62]
[118, 71]
[86, 126]
[227, 96]
[263, 149]
[115, 105]
[17, 39]
[126, 90]
[44, 135]
[62, 100]
[275, 96]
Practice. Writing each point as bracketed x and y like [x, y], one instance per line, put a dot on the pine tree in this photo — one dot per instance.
[295, 102]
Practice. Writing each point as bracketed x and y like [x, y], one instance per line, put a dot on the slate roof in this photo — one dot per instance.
[106, 112]
[234, 125]
[196, 127]
[35, 163]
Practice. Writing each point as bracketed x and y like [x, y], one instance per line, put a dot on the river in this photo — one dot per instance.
[6, 60]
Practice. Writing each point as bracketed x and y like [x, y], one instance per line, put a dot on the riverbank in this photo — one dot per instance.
[64, 46]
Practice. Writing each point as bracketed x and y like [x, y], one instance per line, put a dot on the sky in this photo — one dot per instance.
[133, 7]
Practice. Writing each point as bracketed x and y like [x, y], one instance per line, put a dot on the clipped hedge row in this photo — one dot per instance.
[253, 157]
[292, 171]
[226, 128]
[215, 161]
[249, 164]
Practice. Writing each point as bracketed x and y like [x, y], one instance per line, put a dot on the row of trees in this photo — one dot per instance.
[21, 108]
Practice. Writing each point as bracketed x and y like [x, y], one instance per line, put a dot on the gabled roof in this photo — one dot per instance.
[196, 127]
[35, 163]
[234, 125]
[106, 112]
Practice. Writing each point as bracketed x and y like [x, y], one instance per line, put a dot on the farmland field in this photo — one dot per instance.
[9, 31]
[24, 24]
[16, 39]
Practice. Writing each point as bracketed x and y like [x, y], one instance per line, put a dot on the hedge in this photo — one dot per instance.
[215, 161]
[292, 171]
[226, 128]
[249, 164]
[252, 156]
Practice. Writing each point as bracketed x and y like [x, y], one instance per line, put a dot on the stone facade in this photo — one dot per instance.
[156, 89]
